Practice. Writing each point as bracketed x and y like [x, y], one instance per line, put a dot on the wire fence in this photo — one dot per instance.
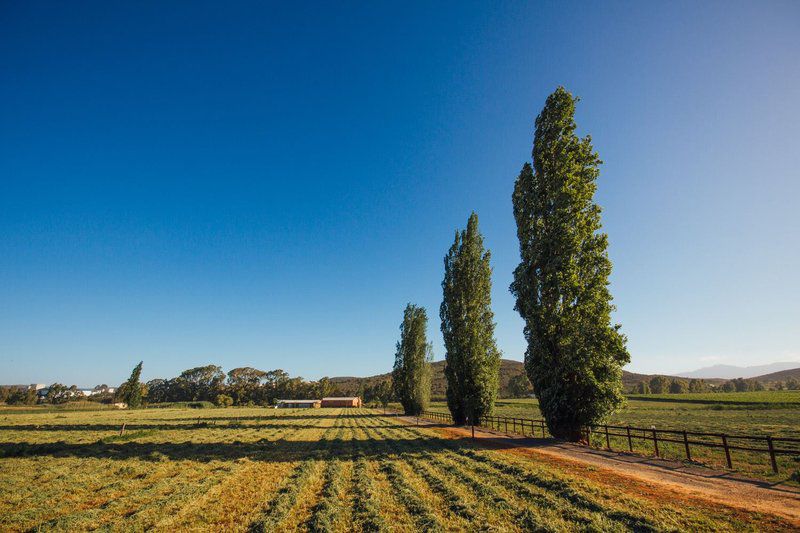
[644, 440]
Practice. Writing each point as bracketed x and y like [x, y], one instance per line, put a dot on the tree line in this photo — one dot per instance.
[574, 354]
[245, 386]
[240, 386]
[666, 385]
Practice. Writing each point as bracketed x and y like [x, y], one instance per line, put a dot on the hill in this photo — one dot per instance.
[783, 375]
[731, 371]
[508, 369]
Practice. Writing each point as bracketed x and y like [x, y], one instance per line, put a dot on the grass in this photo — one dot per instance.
[310, 470]
[789, 398]
[774, 413]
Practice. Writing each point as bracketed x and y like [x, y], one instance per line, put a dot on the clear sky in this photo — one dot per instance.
[254, 185]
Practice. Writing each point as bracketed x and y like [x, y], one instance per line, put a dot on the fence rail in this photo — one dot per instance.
[531, 427]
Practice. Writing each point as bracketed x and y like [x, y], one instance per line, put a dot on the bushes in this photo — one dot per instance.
[223, 400]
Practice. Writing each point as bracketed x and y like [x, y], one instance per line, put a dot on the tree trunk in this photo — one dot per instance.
[566, 432]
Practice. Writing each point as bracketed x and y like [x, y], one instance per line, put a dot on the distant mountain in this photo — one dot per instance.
[731, 371]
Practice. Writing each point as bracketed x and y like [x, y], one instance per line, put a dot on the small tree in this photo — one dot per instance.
[383, 393]
[792, 384]
[411, 377]
[472, 359]
[130, 392]
[58, 393]
[575, 354]
[643, 388]
[22, 397]
[741, 384]
[698, 385]
[223, 400]
[659, 384]
[678, 386]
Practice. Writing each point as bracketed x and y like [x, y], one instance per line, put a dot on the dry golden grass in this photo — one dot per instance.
[310, 470]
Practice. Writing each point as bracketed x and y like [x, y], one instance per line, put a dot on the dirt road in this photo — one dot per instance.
[669, 478]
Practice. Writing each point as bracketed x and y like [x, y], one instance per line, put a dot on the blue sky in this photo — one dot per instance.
[269, 185]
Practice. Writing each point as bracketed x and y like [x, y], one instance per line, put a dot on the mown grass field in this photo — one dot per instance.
[775, 413]
[310, 470]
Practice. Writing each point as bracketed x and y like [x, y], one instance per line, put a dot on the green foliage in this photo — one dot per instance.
[202, 382]
[243, 384]
[131, 391]
[678, 386]
[473, 360]
[643, 388]
[17, 396]
[659, 384]
[698, 385]
[575, 355]
[223, 400]
[519, 386]
[380, 392]
[324, 388]
[411, 377]
[58, 393]
[743, 385]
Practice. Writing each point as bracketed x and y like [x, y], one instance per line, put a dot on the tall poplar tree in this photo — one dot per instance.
[575, 355]
[411, 377]
[473, 360]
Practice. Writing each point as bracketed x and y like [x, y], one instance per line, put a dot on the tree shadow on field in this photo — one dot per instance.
[269, 414]
[264, 450]
[220, 423]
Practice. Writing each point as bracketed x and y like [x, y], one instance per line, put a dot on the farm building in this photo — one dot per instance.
[351, 401]
[293, 404]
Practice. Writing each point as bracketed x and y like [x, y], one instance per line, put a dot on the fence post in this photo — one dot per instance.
[727, 451]
[686, 445]
[542, 423]
[122, 429]
[630, 442]
[655, 441]
[608, 442]
[772, 454]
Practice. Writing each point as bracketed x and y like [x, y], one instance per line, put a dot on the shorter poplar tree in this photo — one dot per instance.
[473, 360]
[411, 376]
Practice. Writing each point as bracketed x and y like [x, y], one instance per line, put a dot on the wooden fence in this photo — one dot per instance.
[528, 427]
